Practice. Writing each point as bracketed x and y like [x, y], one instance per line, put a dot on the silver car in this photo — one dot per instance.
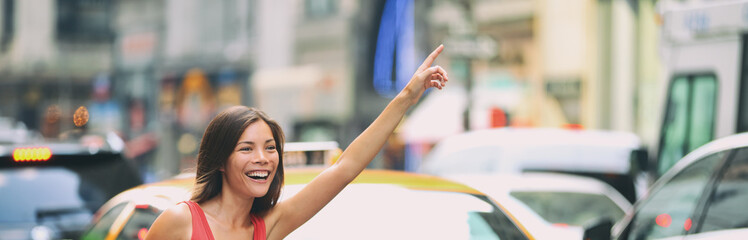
[703, 196]
[554, 204]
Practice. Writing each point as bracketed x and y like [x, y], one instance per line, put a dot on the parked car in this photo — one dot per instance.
[560, 204]
[379, 204]
[49, 189]
[616, 158]
[703, 196]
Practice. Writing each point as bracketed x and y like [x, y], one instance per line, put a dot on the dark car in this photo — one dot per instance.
[703, 196]
[50, 189]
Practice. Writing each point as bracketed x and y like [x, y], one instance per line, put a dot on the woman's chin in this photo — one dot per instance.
[258, 193]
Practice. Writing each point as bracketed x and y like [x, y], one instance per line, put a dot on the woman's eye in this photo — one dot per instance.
[271, 147]
[244, 149]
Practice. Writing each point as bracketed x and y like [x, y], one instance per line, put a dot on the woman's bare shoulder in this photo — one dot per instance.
[173, 223]
[273, 216]
[179, 213]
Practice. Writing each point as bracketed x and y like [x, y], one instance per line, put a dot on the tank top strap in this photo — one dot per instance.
[200, 227]
[259, 227]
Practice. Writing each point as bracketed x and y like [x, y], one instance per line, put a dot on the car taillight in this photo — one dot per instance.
[572, 126]
[31, 154]
[563, 225]
[142, 232]
[142, 206]
[663, 220]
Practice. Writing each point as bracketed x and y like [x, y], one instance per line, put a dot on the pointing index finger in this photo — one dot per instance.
[430, 59]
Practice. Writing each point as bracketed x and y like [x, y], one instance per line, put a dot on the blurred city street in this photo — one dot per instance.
[618, 92]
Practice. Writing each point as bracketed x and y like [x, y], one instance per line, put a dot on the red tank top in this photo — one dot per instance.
[201, 229]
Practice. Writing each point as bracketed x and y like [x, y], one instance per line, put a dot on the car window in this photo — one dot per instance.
[139, 223]
[569, 208]
[726, 207]
[667, 212]
[689, 117]
[101, 228]
[388, 212]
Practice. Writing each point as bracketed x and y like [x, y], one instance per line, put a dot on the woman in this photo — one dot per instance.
[240, 173]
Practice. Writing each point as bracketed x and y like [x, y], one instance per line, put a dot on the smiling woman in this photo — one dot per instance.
[222, 142]
[240, 172]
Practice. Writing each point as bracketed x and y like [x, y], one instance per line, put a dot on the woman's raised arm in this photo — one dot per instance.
[294, 211]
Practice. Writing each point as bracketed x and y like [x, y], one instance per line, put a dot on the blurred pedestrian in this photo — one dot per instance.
[240, 173]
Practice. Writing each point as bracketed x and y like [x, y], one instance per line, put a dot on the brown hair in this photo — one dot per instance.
[218, 143]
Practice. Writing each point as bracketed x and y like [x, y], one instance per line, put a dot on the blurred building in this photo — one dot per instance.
[306, 66]
[298, 60]
[542, 63]
[185, 61]
[162, 69]
[50, 53]
[592, 63]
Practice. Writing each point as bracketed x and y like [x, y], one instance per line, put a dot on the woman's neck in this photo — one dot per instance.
[228, 209]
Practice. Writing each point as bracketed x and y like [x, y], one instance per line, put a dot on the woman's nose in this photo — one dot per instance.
[261, 158]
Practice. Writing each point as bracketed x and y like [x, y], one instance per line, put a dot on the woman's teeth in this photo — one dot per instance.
[258, 174]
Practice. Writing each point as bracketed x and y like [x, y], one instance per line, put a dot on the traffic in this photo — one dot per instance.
[264, 119]
[51, 188]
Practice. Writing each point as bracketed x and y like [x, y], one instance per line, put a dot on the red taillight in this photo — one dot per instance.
[663, 220]
[563, 225]
[31, 154]
[687, 224]
[142, 232]
[142, 206]
[573, 126]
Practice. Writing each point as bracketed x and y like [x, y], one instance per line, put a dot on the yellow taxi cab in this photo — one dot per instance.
[379, 204]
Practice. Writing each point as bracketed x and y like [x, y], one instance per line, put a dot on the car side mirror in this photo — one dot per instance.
[598, 229]
[640, 159]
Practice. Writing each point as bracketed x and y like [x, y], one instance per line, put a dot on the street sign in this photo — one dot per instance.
[473, 47]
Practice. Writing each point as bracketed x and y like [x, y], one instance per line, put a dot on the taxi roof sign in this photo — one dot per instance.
[31, 154]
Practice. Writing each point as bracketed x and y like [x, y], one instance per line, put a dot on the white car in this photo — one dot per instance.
[558, 205]
[616, 158]
[703, 196]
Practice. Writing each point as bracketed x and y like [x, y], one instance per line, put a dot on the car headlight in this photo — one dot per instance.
[41, 233]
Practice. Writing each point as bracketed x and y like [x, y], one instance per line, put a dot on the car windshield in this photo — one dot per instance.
[570, 208]
[378, 211]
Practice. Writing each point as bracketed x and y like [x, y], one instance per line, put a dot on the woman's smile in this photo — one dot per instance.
[258, 175]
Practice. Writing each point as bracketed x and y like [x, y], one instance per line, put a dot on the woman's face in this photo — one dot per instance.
[251, 166]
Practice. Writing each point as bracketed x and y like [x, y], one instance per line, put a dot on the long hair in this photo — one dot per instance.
[219, 141]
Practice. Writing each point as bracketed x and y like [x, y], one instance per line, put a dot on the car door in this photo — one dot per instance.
[669, 210]
[725, 210]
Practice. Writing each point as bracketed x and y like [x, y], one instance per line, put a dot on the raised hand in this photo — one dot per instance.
[426, 77]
